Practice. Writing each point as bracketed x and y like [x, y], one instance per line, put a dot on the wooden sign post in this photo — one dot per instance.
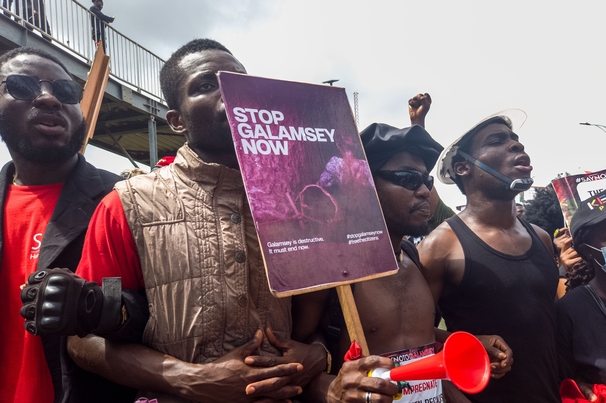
[94, 90]
[352, 318]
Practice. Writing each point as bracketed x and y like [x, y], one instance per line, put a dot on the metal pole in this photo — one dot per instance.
[117, 143]
[153, 141]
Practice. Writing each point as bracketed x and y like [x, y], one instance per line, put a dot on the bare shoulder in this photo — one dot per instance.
[438, 245]
[540, 231]
[441, 260]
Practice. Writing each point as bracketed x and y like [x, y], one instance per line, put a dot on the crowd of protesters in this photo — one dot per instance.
[192, 318]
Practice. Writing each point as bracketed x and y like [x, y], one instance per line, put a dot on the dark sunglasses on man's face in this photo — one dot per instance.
[411, 180]
[28, 88]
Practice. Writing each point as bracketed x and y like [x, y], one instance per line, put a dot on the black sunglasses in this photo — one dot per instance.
[411, 180]
[28, 88]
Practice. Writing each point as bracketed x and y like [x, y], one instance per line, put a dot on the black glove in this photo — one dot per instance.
[56, 301]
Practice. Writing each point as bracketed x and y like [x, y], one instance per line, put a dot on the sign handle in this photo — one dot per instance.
[352, 318]
[94, 90]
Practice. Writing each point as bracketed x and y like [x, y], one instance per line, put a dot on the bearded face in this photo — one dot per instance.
[50, 153]
[41, 130]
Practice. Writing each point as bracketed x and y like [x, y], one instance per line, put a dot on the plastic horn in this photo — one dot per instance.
[463, 361]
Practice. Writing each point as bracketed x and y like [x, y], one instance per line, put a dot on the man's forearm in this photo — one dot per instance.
[102, 16]
[133, 365]
[227, 379]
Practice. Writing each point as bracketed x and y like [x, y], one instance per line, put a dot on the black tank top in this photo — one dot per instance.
[513, 297]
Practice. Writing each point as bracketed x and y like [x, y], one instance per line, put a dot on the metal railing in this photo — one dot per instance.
[67, 24]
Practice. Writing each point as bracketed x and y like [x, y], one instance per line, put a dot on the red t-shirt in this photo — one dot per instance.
[24, 374]
[109, 249]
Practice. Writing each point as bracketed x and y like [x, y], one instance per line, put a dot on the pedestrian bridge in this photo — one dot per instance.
[132, 119]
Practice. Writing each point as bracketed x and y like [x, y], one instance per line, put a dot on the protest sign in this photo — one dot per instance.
[310, 190]
[573, 189]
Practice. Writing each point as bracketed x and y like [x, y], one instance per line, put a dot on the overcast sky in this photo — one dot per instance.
[474, 58]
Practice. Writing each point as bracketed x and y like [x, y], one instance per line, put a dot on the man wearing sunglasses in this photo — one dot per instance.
[48, 193]
[490, 271]
[397, 312]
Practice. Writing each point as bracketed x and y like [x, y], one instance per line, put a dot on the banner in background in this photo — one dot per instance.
[573, 189]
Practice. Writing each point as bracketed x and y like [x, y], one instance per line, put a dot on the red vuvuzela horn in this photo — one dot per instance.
[463, 361]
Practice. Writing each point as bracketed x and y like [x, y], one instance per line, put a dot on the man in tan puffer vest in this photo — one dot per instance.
[185, 235]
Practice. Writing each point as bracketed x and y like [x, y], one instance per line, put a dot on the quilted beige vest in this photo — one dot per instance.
[204, 276]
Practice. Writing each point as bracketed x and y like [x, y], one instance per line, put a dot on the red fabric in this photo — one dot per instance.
[354, 352]
[109, 249]
[169, 159]
[24, 374]
[570, 392]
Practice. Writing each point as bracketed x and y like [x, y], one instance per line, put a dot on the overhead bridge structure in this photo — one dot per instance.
[132, 118]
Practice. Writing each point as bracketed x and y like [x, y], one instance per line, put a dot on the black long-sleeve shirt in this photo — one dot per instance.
[96, 22]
